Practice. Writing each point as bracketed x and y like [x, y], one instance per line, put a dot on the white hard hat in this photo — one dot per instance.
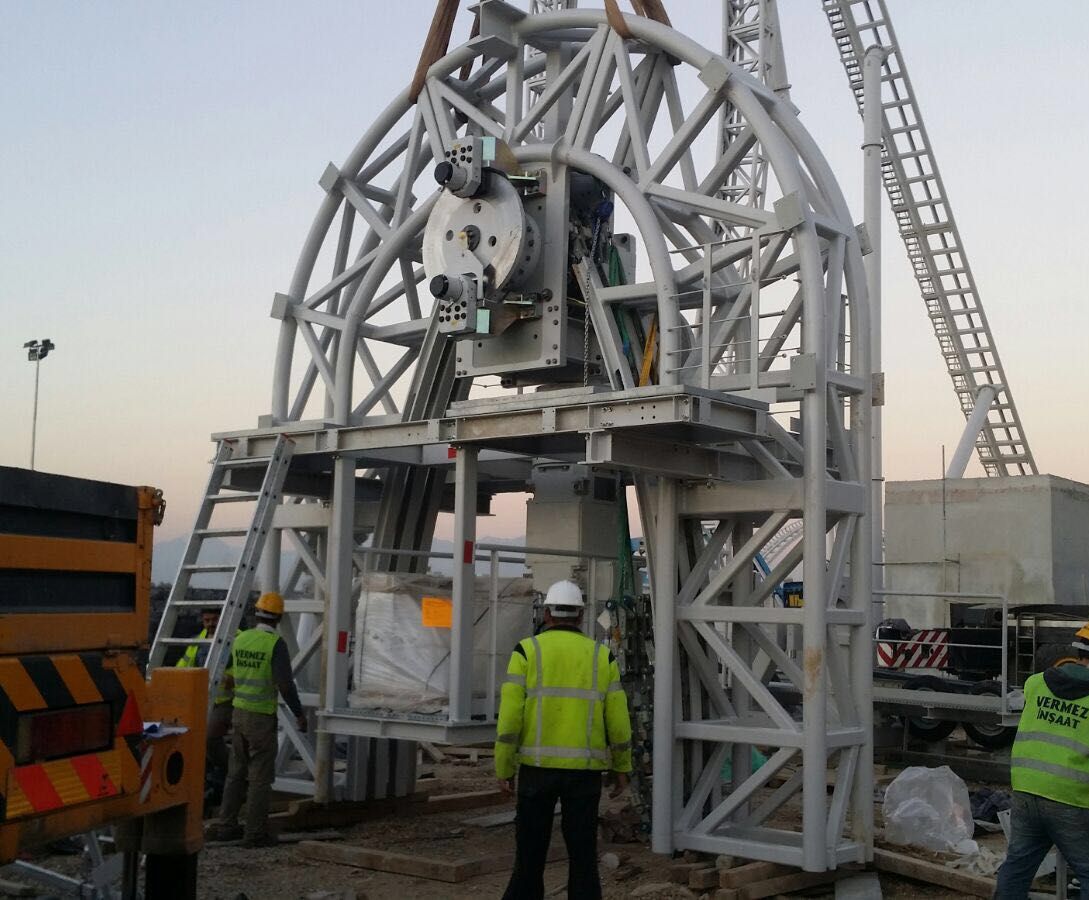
[564, 600]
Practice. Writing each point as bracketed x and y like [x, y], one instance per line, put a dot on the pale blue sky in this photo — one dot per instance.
[159, 167]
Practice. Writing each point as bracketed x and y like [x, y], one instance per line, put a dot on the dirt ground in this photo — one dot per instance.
[235, 873]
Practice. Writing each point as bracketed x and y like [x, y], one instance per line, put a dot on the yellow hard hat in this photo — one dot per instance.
[1081, 639]
[271, 603]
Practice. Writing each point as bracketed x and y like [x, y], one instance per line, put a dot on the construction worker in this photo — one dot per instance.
[195, 654]
[1049, 770]
[260, 666]
[563, 721]
[219, 720]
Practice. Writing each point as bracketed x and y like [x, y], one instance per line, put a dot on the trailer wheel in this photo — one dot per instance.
[923, 727]
[986, 734]
[1050, 655]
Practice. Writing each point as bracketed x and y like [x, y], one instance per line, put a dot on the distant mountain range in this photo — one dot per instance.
[168, 556]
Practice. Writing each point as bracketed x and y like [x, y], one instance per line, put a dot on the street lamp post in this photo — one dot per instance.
[36, 351]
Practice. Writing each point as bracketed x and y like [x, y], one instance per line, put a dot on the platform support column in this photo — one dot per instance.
[461, 632]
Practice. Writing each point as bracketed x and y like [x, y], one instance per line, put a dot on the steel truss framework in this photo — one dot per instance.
[368, 390]
[751, 42]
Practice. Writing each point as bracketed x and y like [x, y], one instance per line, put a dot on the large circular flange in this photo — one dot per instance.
[487, 235]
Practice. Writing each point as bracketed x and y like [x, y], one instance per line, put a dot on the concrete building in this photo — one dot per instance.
[1023, 537]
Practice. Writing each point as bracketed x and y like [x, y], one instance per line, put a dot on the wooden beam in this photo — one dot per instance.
[468, 800]
[783, 884]
[451, 872]
[703, 877]
[739, 876]
[680, 871]
[653, 9]
[933, 873]
[436, 43]
[616, 20]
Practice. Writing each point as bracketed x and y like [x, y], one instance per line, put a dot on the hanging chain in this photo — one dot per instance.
[601, 215]
[586, 345]
[586, 307]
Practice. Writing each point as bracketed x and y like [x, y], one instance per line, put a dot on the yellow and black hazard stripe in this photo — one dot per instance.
[32, 684]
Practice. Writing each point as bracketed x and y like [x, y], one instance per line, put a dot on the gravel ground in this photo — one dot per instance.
[234, 873]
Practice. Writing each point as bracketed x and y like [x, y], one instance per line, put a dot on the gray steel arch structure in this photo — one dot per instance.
[784, 437]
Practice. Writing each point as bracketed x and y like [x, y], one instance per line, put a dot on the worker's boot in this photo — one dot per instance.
[221, 832]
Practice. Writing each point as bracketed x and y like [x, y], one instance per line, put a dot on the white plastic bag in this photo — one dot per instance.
[930, 808]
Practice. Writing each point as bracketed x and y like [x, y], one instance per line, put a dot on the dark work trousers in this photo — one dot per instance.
[538, 791]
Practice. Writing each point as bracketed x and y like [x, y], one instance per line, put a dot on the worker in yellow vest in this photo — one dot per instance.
[260, 667]
[563, 721]
[219, 720]
[1049, 770]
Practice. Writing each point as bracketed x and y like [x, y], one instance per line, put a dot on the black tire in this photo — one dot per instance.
[926, 729]
[1050, 655]
[991, 736]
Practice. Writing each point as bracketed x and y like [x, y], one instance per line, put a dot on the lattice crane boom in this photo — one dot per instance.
[925, 221]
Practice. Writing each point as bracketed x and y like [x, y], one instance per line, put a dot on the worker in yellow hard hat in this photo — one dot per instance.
[1049, 771]
[563, 722]
[260, 668]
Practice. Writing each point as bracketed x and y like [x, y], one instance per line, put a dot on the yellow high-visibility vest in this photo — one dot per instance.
[189, 661]
[562, 707]
[251, 664]
[1050, 756]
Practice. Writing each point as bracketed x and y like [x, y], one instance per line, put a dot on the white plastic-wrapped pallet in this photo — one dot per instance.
[402, 640]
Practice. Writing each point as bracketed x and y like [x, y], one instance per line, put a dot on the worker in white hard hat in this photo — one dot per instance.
[260, 668]
[1049, 771]
[563, 721]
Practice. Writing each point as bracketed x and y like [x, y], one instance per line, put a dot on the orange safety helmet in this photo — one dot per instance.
[1081, 639]
[271, 604]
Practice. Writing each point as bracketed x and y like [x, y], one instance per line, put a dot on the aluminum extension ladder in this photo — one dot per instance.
[925, 221]
[233, 605]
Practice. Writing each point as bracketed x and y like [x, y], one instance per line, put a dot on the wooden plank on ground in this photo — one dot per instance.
[749, 873]
[679, 871]
[417, 866]
[491, 820]
[284, 837]
[933, 873]
[703, 877]
[381, 860]
[467, 800]
[15, 889]
[431, 751]
[784, 884]
[303, 814]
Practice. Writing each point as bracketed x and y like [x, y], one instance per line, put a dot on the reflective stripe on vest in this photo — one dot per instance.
[594, 701]
[537, 680]
[565, 753]
[1050, 757]
[251, 662]
[189, 657]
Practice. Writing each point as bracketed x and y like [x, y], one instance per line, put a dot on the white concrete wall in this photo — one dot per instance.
[1025, 537]
[1070, 538]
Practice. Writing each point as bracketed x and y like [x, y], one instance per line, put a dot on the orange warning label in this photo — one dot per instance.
[437, 612]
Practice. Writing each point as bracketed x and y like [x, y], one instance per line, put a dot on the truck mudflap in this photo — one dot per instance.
[70, 730]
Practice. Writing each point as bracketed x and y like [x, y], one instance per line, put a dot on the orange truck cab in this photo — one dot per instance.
[86, 740]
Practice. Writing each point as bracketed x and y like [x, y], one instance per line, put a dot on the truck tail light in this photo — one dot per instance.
[54, 733]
